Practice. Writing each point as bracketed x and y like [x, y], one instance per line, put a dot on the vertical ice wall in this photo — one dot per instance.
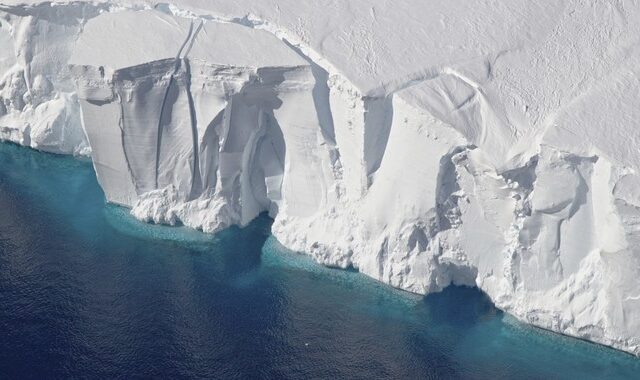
[200, 129]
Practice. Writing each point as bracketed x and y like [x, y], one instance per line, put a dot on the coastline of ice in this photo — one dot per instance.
[445, 152]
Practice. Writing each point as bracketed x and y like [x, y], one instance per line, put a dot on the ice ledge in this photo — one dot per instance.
[467, 170]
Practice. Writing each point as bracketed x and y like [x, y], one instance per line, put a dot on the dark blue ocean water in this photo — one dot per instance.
[86, 291]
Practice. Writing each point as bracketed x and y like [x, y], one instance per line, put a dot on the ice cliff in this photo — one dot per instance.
[424, 143]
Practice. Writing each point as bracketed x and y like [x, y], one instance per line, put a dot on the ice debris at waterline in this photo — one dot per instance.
[480, 143]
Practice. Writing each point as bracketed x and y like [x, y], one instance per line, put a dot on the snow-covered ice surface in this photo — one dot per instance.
[488, 143]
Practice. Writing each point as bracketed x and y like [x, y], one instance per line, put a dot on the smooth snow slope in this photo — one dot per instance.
[488, 143]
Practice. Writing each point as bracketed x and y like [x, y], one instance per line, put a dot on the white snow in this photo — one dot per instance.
[487, 143]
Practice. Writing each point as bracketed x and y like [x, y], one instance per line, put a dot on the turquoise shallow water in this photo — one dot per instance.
[86, 291]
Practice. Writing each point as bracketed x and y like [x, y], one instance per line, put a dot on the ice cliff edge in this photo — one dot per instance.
[482, 143]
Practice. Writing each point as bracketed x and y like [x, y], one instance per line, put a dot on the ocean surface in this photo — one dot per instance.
[88, 292]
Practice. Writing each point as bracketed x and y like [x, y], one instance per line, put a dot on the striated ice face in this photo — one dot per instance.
[199, 123]
[423, 144]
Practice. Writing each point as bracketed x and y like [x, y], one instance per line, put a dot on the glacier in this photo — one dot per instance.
[423, 143]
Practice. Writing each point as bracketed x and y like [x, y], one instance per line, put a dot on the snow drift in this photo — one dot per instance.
[423, 143]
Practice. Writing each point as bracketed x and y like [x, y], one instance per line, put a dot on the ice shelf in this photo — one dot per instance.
[424, 143]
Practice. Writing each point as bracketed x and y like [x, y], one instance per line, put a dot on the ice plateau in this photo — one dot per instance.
[477, 142]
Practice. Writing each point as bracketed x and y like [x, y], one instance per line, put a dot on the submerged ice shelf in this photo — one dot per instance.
[445, 151]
